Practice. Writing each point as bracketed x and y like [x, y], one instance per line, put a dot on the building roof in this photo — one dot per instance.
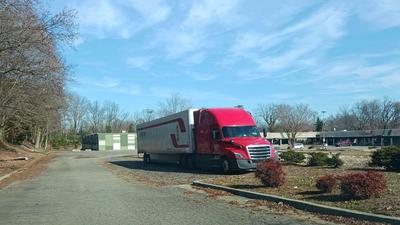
[283, 135]
[362, 133]
[339, 134]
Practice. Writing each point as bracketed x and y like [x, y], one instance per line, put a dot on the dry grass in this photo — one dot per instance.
[300, 184]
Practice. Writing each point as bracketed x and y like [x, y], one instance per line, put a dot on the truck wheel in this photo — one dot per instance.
[146, 158]
[225, 166]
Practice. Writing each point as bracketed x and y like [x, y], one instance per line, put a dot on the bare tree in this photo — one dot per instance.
[368, 114]
[173, 104]
[96, 117]
[390, 114]
[32, 72]
[76, 110]
[269, 115]
[342, 120]
[294, 119]
[112, 111]
[115, 118]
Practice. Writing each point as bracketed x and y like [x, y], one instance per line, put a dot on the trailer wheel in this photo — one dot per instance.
[146, 158]
[225, 166]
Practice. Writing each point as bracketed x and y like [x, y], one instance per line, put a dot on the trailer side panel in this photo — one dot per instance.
[168, 135]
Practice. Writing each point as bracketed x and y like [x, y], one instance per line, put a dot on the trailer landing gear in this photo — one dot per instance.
[187, 162]
[146, 158]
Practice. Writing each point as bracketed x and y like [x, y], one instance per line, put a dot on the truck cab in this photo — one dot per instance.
[231, 138]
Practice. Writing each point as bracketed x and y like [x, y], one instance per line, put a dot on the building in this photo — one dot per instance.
[109, 141]
[382, 137]
[282, 137]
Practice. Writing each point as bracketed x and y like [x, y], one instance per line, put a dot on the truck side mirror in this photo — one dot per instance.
[215, 134]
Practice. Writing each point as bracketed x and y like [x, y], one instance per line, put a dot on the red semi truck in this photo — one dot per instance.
[223, 138]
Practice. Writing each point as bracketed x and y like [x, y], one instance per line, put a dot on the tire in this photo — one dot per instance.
[225, 166]
[146, 158]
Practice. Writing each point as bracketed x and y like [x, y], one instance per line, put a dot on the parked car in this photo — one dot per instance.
[298, 146]
[344, 143]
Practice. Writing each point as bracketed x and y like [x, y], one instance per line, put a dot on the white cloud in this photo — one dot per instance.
[129, 89]
[106, 82]
[197, 28]
[191, 94]
[99, 18]
[143, 62]
[314, 34]
[154, 10]
[202, 76]
[179, 43]
[207, 12]
[118, 19]
[381, 13]
[196, 58]
[391, 80]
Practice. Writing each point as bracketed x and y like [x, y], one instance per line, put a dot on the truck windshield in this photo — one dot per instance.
[240, 131]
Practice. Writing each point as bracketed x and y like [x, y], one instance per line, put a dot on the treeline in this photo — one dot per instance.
[82, 116]
[32, 71]
[367, 115]
[362, 115]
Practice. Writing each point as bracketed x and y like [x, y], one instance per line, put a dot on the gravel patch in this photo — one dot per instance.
[134, 169]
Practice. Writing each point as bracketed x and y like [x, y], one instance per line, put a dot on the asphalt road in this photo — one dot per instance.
[78, 189]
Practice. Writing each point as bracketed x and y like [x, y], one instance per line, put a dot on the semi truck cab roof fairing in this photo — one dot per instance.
[231, 116]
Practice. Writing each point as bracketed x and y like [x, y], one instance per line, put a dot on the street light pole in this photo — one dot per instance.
[322, 129]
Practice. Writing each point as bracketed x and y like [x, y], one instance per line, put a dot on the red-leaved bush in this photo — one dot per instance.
[363, 185]
[271, 173]
[326, 183]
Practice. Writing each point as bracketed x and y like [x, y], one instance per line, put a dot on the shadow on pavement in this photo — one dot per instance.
[159, 167]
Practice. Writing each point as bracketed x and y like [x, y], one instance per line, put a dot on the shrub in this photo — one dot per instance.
[363, 185]
[270, 173]
[318, 159]
[292, 156]
[335, 161]
[61, 141]
[326, 183]
[387, 157]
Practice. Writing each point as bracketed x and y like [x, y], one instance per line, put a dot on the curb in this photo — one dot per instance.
[10, 174]
[20, 169]
[302, 205]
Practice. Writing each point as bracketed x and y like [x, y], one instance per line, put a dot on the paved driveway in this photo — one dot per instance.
[78, 189]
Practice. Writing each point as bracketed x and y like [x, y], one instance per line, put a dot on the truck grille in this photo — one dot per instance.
[258, 153]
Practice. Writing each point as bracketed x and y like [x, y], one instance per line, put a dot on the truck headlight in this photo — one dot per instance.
[238, 155]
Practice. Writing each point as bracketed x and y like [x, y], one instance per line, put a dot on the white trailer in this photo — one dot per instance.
[172, 134]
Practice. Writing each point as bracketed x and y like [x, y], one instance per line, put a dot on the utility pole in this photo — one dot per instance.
[322, 129]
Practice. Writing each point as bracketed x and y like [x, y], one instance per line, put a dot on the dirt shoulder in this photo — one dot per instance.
[24, 169]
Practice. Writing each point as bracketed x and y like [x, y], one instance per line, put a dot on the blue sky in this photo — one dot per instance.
[221, 53]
